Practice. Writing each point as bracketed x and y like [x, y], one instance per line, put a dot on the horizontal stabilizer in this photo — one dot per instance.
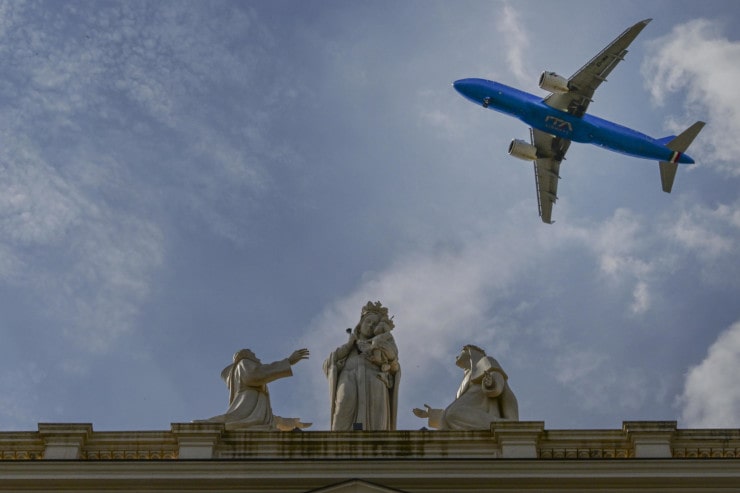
[667, 175]
[683, 141]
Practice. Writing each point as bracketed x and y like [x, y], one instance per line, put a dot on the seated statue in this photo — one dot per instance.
[249, 399]
[484, 396]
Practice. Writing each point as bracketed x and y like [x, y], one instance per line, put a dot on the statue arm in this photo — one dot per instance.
[493, 383]
[434, 417]
[343, 351]
[264, 374]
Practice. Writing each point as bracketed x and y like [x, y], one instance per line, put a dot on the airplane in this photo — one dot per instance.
[560, 118]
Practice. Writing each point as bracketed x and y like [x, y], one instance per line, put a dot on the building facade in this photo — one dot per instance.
[512, 456]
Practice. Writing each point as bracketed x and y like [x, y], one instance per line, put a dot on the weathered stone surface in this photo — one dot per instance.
[511, 456]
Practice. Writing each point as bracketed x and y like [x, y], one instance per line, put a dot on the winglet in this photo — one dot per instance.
[678, 144]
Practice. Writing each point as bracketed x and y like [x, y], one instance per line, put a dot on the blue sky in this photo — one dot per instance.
[179, 180]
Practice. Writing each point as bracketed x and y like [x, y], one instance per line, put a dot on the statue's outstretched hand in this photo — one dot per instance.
[298, 355]
[421, 413]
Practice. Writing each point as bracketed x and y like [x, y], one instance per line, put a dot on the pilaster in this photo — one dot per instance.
[518, 439]
[197, 440]
[64, 440]
[651, 439]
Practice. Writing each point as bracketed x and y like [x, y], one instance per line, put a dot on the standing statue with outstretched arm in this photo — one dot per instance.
[364, 375]
[249, 400]
[484, 396]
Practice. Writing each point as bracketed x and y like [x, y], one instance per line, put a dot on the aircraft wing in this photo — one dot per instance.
[585, 81]
[547, 169]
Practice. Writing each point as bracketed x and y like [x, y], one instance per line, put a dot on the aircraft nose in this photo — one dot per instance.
[462, 86]
[472, 90]
[469, 88]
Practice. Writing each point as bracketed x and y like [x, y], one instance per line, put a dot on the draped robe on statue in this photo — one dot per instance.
[249, 399]
[358, 395]
[477, 404]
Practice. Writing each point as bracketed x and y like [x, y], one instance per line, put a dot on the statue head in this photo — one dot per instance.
[469, 355]
[371, 314]
[245, 354]
[376, 307]
[384, 326]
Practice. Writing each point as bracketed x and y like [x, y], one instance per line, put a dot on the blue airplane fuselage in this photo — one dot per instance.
[588, 129]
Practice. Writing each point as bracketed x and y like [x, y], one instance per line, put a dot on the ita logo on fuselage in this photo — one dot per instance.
[555, 123]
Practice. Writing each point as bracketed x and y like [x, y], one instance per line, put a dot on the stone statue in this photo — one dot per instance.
[484, 396]
[364, 374]
[249, 399]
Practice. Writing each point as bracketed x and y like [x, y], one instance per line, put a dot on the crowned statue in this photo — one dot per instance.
[364, 374]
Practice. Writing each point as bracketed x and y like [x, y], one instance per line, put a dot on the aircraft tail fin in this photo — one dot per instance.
[677, 144]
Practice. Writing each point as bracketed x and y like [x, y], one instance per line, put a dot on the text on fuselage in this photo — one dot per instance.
[558, 124]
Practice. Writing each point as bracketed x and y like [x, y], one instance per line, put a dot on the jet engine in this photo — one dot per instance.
[552, 82]
[523, 150]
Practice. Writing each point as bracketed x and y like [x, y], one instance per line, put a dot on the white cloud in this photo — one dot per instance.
[596, 380]
[623, 248]
[711, 396]
[89, 263]
[37, 205]
[439, 300]
[701, 231]
[641, 296]
[108, 280]
[78, 208]
[516, 42]
[711, 235]
[444, 299]
[697, 59]
[617, 242]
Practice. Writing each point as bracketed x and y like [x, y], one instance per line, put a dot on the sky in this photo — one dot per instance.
[182, 179]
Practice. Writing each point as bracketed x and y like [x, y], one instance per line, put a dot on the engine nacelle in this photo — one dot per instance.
[552, 82]
[523, 150]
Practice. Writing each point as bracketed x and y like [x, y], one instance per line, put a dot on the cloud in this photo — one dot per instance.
[711, 395]
[641, 296]
[439, 303]
[155, 82]
[594, 379]
[697, 60]
[516, 42]
[625, 254]
[448, 297]
[112, 117]
[711, 235]
[700, 230]
[495, 290]
[90, 263]
[38, 206]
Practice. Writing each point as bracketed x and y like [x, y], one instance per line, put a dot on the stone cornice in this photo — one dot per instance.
[410, 475]
[505, 440]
